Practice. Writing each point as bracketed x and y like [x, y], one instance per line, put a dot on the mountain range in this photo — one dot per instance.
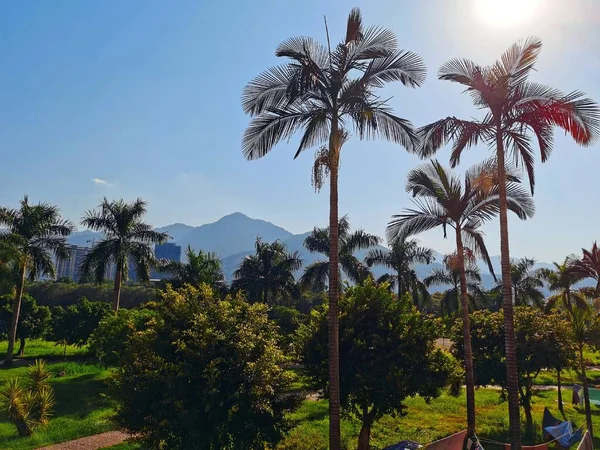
[232, 238]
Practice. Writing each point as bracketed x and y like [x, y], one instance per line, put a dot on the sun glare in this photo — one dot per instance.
[506, 12]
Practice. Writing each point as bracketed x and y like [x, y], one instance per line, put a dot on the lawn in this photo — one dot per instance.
[38, 348]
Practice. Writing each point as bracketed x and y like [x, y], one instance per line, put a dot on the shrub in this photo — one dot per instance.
[205, 374]
[34, 320]
[29, 405]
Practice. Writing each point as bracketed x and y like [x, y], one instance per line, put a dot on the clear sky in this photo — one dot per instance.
[142, 98]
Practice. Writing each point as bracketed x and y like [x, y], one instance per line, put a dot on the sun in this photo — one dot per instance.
[506, 12]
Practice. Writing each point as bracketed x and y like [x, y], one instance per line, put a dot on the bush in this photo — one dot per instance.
[29, 405]
[110, 338]
[34, 320]
[205, 374]
[75, 323]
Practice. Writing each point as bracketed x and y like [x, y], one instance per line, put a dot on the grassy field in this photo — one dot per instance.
[38, 348]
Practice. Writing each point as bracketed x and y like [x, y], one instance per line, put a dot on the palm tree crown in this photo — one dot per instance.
[589, 265]
[526, 283]
[125, 237]
[316, 274]
[200, 267]
[269, 273]
[562, 280]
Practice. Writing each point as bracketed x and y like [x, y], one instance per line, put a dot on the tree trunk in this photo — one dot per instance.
[512, 384]
[559, 385]
[334, 285]
[364, 437]
[464, 299]
[399, 286]
[586, 393]
[21, 350]
[117, 288]
[8, 359]
[526, 402]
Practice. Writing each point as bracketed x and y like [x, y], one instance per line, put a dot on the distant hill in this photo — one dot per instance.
[232, 238]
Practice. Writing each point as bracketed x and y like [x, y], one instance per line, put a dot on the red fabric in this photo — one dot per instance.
[586, 443]
[454, 442]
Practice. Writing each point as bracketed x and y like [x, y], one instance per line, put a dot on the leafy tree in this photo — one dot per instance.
[516, 108]
[269, 273]
[449, 275]
[111, 337]
[226, 350]
[35, 320]
[125, 237]
[74, 324]
[322, 92]
[9, 269]
[401, 257]
[589, 265]
[380, 339]
[200, 268]
[316, 275]
[526, 283]
[32, 232]
[561, 280]
[441, 201]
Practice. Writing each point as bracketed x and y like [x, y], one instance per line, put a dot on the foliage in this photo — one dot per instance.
[561, 280]
[110, 339]
[28, 405]
[74, 324]
[125, 237]
[316, 275]
[589, 265]
[226, 350]
[34, 323]
[200, 267]
[288, 320]
[380, 339]
[267, 275]
[526, 283]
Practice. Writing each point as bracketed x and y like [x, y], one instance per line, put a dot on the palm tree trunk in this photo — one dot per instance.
[514, 414]
[334, 285]
[586, 393]
[12, 337]
[399, 286]
[559, 386]
[117, 288]
[470, 373]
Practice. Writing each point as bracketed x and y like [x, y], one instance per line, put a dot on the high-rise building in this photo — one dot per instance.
[71, 267]
[169, 252]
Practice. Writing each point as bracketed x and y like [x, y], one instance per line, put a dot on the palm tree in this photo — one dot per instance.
[324, 92]
[201, 267]
[589, 265]
[31, 234]
[442, 201]
[450, 275]
[268, 273]
[125, 238]
[526, 283]
[401, 257]
[316, 275]
[561, 280]
[514, 107]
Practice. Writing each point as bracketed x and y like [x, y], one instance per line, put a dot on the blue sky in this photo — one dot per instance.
[142, 98]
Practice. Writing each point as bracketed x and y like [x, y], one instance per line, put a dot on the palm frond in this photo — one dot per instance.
[359, 240]
[427, 216]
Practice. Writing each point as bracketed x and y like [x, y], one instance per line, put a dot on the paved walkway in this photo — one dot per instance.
[94, 442]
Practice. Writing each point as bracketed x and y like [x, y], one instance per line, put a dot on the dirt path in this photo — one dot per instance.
[94, 442]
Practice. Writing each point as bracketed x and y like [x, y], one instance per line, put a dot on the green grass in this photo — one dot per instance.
[38, 348]
[81, 408]
[568, 377]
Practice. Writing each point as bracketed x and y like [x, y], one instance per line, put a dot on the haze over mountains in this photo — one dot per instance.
[232, 238]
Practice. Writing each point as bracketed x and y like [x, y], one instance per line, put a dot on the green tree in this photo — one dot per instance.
[33, 233]
[442, 201]
[380, 339]
[561, 280]
[323, 91]
[401, 258]
[227, 350]
[125, 237]
[316, 275]
[200, 267]
[74, 324]
[449, 275]
[269, 273]
[589, 265]
[526, 283]
[34, 323]
[515, 110]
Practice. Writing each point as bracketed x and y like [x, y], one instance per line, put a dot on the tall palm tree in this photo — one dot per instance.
[589, 265]
[562, 280]
[31, 234]
[125, 237]
[268, 273]
[316, 275]
[401, 257]
[526, 283]
[515, 108]
[442, 201]
[200, 267]
[323, 92]
[450, 275]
